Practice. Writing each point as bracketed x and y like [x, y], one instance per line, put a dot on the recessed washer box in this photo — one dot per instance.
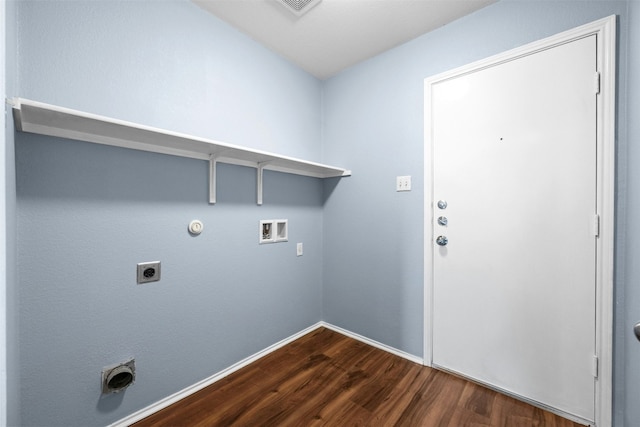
[273, 231]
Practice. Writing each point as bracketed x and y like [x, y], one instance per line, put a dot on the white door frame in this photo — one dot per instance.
[605, 30]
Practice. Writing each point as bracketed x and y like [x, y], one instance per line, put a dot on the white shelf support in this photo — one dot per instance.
[259, 174]
[213, 163]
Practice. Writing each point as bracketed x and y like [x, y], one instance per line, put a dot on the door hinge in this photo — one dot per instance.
[596, 225]
[595, 367]
[596, 83]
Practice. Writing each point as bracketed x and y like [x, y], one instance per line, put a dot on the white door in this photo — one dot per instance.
[514, 157]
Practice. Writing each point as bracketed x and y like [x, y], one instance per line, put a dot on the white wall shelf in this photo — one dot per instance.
[45, 119]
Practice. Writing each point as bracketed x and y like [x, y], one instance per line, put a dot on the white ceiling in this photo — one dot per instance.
[336, 34]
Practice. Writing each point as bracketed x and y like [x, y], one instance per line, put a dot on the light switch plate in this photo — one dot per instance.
[403, 183]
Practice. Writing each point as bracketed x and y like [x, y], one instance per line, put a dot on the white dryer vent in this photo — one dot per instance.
[298, 7]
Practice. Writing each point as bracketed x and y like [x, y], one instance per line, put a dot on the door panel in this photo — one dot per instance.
[514, 156]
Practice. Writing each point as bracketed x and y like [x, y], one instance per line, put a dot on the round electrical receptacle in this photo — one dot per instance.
[196, 227]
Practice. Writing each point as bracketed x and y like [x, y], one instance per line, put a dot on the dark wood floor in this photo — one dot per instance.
[327, 379]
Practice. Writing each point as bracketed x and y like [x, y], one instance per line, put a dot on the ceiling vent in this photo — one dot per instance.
[298, 7]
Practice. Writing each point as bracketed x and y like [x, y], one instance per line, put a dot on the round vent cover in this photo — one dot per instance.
[116, 378]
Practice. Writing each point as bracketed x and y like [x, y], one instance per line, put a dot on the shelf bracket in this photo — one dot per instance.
[213, 163]
[259, 174]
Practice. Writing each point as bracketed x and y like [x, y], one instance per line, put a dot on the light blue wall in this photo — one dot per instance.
[167, 64]
[9, 193]
[88, 213]
[373, 235]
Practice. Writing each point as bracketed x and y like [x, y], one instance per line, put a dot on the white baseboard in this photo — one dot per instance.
[373, 343]
[169, 400]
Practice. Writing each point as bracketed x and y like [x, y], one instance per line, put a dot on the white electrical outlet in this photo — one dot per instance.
[299, 249]
[403, 183]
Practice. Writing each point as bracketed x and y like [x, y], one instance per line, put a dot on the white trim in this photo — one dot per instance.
[169, 400]
[605, 30]
[374, 343]
[606, 209]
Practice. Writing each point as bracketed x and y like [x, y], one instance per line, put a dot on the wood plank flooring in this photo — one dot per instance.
[328, 379]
